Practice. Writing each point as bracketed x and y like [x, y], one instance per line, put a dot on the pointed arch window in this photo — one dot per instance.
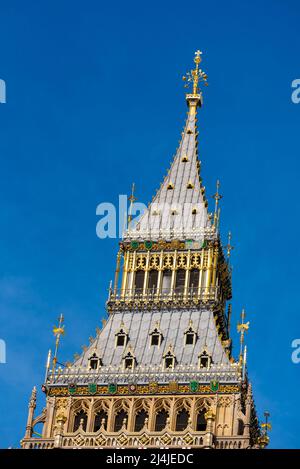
[140, 420]
[161, 420]
[201, 421]
[182, 420]
[240, 427]
[120, 420]
[100, 419]
[80, 419]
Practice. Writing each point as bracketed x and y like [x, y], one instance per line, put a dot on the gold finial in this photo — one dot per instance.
[242, 327]
[228, 246]
[264, 439]
[196, 75]
[132, 199]
[266, 425]
[217, 196]
[58, 331]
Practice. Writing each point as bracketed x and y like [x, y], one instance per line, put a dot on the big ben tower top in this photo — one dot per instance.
[160, 372]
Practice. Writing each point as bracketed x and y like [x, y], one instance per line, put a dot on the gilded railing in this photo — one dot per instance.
[177, 296]
[123, 439]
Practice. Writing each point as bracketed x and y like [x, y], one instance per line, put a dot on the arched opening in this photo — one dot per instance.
[120, 419]
[140, 420]
[161, 420]
[99, 417]
[240, 427]
[201, 422]
[180, 280]
[139, 281]
[152, 280]
[80, 417]
[182, 420]
[194, 279]
[166, 284]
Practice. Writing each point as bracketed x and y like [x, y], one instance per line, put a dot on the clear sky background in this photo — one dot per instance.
[95, 101]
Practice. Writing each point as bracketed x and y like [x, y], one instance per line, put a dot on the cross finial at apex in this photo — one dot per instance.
[198, 58]
[196, 75]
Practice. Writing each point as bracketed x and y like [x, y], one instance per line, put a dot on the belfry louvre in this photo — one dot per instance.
[160, 372]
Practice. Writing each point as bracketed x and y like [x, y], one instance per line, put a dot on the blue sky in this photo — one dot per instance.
[95, 101]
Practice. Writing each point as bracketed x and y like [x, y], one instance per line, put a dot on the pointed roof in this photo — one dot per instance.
[179, 208]
[173, 325]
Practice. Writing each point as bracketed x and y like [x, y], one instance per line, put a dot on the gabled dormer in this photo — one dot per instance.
[190, 335]
[121, 336]
[204, 359]
[156, 336]
[169, 359]
[129, 360]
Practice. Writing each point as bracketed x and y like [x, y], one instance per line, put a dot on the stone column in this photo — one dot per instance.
[248, 412]
[31, 409]
[59, 430]
[209, 435]
[116, 282]
[49, 417]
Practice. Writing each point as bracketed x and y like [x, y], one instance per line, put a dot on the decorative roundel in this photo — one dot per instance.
[134, 244]
[148, 245]
[132, 387]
